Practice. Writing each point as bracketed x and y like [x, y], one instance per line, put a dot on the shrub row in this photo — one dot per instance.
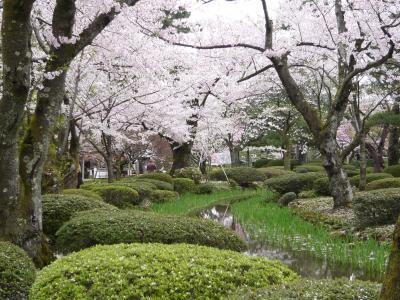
[17, 272]
[293, 182]
[383, 184]
[378, 207]
[393, 170]
[82, 192]
[154, 271]
[93, 227]
[158, 176]
[161, 196]
[244, 176]
[274, 172]
[309, 168]
[120, 196]
[355, 180]
[58, 208]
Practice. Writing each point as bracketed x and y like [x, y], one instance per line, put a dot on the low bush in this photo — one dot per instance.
[321, 186]
[112, 227]
[355, 180]
[159, 184]
[393, 170]
[244, 176]
[17, 272]
[356, 163]
[213, 186]
[287, 198]
[184, 185]
[120, 196]
[58, 208]
[155, 271]
[293, 183]
[82, 192]
[378, 207]
[309, 168]
[280, 162]
[261, 163]
[191, 173]
[326, 289]
[383, 184]
[274, 172]
[161, 196]
[307, 194]
[159, 176]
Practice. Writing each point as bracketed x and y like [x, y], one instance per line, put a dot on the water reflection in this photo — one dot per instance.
[300, 261]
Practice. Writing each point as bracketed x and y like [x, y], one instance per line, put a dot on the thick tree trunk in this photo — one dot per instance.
[235, 156]
[15, 220]
[391, 283]
[287, 156]
[180, 156]
[363, 163]
[340, 187]
[393, 148]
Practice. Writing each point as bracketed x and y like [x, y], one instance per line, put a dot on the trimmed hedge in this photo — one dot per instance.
[280, 162]
[58, 208]
[309, 168]
[383, 184]
[261, 163]
[120, 196]
[293, 183]
[82, 192]
[321, 186]
[307, 194]
[159, 184]
[326, 289]
[158, 176]
[287, 198]
[161, 196]
[378, 207]
[155, 271]
[184, 185]
[244, 176]
[191, 173]
[112, 227]
[274, 172]
[17, 272]
[213, 186]
[393, 170]
[355, 180]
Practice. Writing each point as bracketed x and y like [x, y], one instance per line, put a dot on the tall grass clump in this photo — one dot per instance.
[279, 227]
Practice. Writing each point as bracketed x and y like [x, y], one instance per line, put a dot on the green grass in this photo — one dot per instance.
[192, 204]
[280, 227]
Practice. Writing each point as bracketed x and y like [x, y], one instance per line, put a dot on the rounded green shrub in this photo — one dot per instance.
[326, 289]
[309, 168]
[293, 183]
[321, 186]
[58, 208]
[275, 163]
[112, 227]
[190, 172]
[155, 271]
[17, 272]
[158, 176]
[383, 184]
[274, 172]
[184, 185]
[82, 192]
[159, 184]
[161, 196]
[120, 196]
[244, 176]
[287, 198]
[378, 207]
[307, 194]
[393, 170]
[213, 186]
[355, 180]
[261, 163]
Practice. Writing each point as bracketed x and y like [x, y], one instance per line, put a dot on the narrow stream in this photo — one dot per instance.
[299, 261]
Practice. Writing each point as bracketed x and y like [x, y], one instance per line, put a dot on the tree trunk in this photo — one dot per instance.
[391, 283]
[363, 163]
[340, 187]
[15, 219]
[287, 154]
[110, 170]
[393, 148]
[180, 156]
[235, 156]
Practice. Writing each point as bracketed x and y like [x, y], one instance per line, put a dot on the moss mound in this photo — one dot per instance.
[82, 192]
[120, 196]
[112, 227]
[155, 271]
[58, 208]
[394, 170]
[17, 272]
[184, 185]
[161, 196]
[383, 184]
[327, 289]
[158, 176]
[293, 183]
